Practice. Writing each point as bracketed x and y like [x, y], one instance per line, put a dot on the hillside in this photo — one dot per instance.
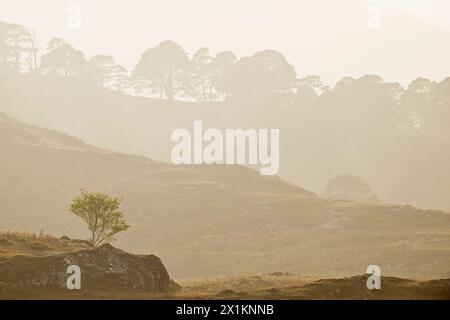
[330, 289]
[34, 267]
[317, 143]
[213, 220]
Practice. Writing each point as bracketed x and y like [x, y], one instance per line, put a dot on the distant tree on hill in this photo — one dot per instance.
[348, 187]
[309, 86]
[414, 104]
[62, 59]
[438, 116]
[102, 215]
[32, 48]
[266, 73]
[15, 47]
[221, 65]
[201, 81]
[206, 74]
[100, 69]
[120, 78]
[163, 70]
[104, 71]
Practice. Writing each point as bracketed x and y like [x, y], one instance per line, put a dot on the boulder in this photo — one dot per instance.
[102, 269]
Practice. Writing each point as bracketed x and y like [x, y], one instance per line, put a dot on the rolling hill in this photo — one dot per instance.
[213, 220]
[316, 143]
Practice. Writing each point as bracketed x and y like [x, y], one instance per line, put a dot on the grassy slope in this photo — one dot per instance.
[242, 286]
[212, 220]
[400, 169]
[29, 244]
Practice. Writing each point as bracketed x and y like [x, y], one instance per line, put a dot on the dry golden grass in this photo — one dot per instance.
[31, 244]
[245, 282]
[25, 235]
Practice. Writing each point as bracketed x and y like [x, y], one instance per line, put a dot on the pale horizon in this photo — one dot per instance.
[327, 32]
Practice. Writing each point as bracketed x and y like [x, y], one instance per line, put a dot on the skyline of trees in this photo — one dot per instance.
[367, 124]
[167, 71]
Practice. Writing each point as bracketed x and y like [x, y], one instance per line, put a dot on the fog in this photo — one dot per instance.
[327, 38]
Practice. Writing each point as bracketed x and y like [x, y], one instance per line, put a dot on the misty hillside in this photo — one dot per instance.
[15, 132]
[213, 220]
[348, 129]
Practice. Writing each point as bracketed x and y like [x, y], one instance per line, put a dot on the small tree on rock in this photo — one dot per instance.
[102, 215]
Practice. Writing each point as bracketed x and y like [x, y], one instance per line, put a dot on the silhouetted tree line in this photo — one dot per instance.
[167, 71]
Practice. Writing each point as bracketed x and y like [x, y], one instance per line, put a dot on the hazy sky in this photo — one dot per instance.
[325, 37]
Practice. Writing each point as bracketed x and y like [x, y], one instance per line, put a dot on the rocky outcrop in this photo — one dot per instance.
[102, 269]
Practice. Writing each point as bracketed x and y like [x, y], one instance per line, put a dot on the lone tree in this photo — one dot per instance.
[102, 215]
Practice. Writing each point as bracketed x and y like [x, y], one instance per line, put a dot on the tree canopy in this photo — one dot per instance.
[102, 215]
[163, 69]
